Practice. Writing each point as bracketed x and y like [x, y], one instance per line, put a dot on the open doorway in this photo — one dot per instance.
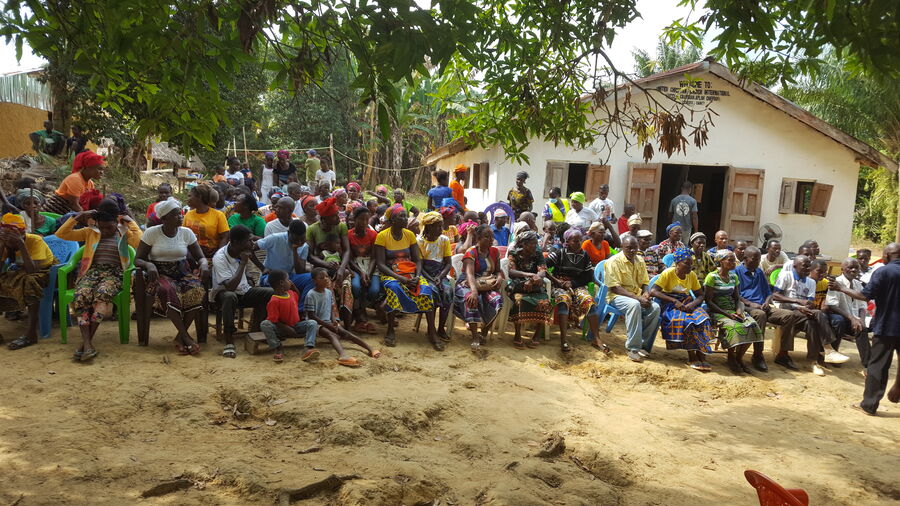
[709, 190]
[577, 174]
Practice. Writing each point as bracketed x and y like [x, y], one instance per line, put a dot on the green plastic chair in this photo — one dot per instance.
[122, 300]
[774, 276]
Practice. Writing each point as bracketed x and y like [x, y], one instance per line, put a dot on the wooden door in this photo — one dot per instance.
[596, 175]
[643, 191]
[743, 201]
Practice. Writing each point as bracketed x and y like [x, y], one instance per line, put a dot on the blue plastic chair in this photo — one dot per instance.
[63, 251]
[491, 209]
[604, 309]
[669, 260]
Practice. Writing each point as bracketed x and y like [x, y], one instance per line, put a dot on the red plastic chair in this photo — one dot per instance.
[773, 494]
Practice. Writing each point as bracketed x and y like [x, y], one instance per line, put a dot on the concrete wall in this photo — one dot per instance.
[748, 134]
[17, 122]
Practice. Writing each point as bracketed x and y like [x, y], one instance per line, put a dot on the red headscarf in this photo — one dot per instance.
[327, 208]
[305, 200]
[90, 199]
[87, 159]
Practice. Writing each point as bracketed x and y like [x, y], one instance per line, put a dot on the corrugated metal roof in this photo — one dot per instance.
[23, 88]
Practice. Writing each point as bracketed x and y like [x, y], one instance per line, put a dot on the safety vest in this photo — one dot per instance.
[559, 215]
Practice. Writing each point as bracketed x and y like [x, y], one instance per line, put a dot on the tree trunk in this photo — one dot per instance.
[396, 155]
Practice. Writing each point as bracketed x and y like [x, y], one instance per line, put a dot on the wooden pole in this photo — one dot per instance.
[331, 151]
[897, 232]
[32, 213]
[244, 130]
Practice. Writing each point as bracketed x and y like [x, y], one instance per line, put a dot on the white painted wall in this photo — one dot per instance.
[748, 133]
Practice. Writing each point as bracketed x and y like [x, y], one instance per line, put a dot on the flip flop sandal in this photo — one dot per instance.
[181, 349]
[565, 348]
[390, 341]
[707, 366]
[532, 344]
[76, 355]
[519, 345]
[349, 362]
[446, 339]
[20, 342]
[602, 347]
[194, 349]
[697, 366]
[89, 355]
[228, 352]
[438, 345]
[278, 358]
[375, 354]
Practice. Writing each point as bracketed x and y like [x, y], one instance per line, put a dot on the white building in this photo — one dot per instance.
[766, 161]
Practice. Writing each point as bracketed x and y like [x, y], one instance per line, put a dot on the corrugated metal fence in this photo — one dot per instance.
[24, 89]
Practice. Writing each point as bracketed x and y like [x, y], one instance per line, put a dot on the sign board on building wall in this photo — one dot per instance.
[693, 92]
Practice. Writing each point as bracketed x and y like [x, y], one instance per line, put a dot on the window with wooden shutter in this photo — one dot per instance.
[820, 198]
[786, 199]
[556, 176]
[478, 176]
[804, 196]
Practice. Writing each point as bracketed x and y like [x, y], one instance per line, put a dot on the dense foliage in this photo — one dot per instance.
[171, 60]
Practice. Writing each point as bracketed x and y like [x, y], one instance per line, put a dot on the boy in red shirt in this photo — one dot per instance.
[283, 318]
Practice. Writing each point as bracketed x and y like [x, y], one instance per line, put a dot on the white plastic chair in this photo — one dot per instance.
[456, 262]
[507, 302]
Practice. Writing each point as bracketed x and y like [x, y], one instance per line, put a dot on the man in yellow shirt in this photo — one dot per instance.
[626, 276]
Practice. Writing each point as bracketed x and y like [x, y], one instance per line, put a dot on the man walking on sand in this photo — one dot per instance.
[884, 288]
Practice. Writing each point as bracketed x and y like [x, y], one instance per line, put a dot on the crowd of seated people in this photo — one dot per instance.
[317, 260]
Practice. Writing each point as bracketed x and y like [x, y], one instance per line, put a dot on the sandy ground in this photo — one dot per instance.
[421, 427]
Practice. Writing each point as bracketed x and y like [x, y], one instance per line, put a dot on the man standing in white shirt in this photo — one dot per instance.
[848, 315]
[579, 215]
[230, 287]
[865, 270]
[325, 175]
[603, 206]
[795, 290]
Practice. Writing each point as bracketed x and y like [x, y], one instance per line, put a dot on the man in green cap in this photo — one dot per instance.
[579, 215]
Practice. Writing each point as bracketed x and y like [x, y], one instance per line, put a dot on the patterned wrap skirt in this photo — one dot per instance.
[177, 288]
[736, 333]
[489, 304]
[94, 292]
[577, 300]
[18, 289]
[529, 307]
[397, 296]
[686, 331]
[57, 205]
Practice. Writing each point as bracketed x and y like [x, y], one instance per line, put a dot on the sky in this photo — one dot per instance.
[643, 33]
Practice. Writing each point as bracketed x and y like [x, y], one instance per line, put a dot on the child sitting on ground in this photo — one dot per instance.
[283, 318]
[320, 308]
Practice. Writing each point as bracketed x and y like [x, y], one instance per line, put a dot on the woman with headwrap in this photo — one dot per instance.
[478, 298]
[673, 242]
[366, 284]
[435, 250]
[517, 229]
[86, 167]
[380, 194]
[31, 202]
[23, 280]
[633, 225]
[595, 245]
[703, 262]
[168, 254]
[572, 271]
[354, 196]
[308, 203]
[400, 198]
[208, 223]
[580, 215]
[456, 186]
[441, 191]
[738, 330]
[531, 303]
[448, 214]
[466, 237]
[99, 277]
[685, 324]
[329, 247]
[284, 169]
[519, 197]
[341, 199]
[268, 180]
[400, 264]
